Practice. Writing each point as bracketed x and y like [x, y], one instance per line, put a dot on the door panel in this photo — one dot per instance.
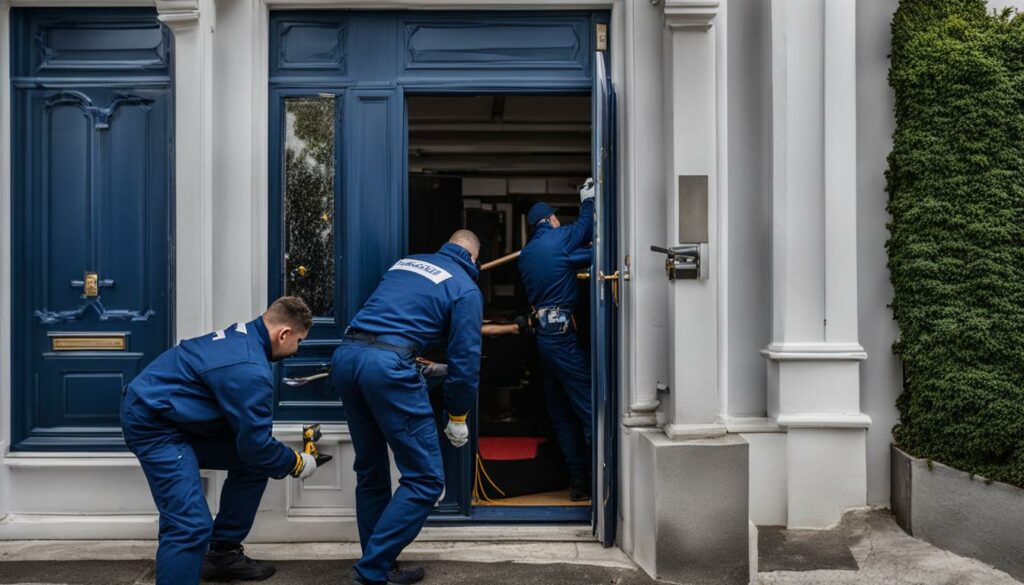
[92, 260]
[604, 314]
[307, 232]
[333, 233]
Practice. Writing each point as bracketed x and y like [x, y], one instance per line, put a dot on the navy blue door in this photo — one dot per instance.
[91, 221]
[604, 306]
[339, 165]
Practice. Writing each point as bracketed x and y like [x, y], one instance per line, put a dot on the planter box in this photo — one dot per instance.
[949, 509]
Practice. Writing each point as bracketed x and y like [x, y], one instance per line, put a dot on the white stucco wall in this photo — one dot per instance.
[750, 221]
[750, 199]
[880, 380]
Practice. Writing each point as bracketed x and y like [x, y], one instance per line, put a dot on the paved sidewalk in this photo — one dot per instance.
[881, 554]
[868, 548]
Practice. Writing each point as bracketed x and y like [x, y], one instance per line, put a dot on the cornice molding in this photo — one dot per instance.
[178, 14]
[690, 14]
[815, 351]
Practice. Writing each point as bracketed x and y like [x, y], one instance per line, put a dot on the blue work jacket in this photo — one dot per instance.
[549, 261]
[217, 383]
[430, 299]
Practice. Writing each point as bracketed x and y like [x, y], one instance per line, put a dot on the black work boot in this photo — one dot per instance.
[405, 575]
[579, 489]
[355, 577]
[227, 562]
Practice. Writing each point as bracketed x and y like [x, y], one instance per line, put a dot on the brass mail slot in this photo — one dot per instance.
[89, 343]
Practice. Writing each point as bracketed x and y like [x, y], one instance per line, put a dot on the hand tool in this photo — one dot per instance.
[305, 380]
[310, 435]
[503, 260]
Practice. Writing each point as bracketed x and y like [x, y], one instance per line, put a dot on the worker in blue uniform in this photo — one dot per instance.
[422, 301]
[207, 403]
[548, 266]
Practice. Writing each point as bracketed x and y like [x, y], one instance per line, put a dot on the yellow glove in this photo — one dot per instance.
[457, 430]
[305, 465]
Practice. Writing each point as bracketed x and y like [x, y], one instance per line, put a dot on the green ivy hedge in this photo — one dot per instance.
[956, 251]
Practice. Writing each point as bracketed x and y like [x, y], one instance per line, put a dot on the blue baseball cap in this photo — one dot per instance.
[538, 212]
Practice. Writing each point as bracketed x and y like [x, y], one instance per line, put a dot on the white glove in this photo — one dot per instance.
[457, 433]
[587, 190]
[308, 466]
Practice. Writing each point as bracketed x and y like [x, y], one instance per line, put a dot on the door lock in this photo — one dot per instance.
[92, 284]
[685, 262]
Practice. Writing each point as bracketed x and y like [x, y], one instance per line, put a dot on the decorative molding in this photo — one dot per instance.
[690, 14]
[815, 351]
[69, 460]
[339, 512]
[444, 4]
[824, 420]
[687, 432]
[639, 419]
[751, 424]
[178, 14]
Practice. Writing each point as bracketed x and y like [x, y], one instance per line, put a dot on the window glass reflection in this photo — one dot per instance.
[309, 202]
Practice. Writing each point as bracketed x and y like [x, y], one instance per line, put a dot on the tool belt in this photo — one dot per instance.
[407, 352]
[552, 320]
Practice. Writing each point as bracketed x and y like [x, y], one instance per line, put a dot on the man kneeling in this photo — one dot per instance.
[207, 403]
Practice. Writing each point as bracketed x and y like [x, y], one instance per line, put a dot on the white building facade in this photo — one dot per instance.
[762, 393]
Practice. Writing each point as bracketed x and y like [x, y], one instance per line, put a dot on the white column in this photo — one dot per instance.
[240, 207]
[813, 367]
[691, 147]
[644, 297]
[191, 21]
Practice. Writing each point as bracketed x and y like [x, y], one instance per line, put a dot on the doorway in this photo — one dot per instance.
[343, 85]
[480, 162]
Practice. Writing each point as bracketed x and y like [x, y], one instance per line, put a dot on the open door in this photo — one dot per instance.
[604, 306]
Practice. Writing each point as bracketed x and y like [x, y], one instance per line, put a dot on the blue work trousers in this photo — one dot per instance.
[386, 404]
[171, 460]
[567, 388]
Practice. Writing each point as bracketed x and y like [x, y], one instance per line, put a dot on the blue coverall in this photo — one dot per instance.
[548, 266]
[206, 403]
[422, 301]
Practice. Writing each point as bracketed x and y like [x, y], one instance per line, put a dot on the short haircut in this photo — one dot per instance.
[292, 312]
[467, 240]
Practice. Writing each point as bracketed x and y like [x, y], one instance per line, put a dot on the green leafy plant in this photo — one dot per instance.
[956, 247]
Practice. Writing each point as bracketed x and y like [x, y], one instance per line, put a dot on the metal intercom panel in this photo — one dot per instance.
[693, 209]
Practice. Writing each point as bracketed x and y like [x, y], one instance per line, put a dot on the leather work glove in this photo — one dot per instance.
[457, 431]
[305, 465]
[587, 190]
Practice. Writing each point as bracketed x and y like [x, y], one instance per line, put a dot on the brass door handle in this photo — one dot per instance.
[585, 275]
[614, 278]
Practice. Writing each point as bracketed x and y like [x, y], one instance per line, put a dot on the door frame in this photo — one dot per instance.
[268, 98]
[508, 514]
[16, 388]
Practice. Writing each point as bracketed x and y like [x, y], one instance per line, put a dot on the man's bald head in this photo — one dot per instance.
[467, 240]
